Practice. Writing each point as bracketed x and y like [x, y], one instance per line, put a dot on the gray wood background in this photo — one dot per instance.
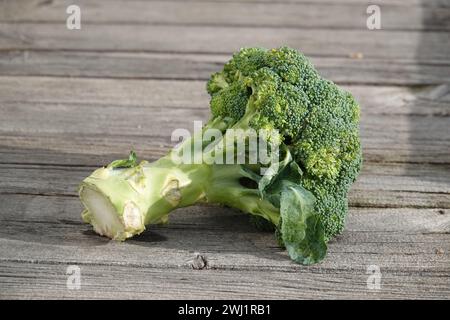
[72, 100]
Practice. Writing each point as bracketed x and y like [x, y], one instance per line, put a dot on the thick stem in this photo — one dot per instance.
[120, 202]
[226, 188]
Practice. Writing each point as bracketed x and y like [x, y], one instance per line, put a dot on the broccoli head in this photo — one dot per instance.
[319, 122]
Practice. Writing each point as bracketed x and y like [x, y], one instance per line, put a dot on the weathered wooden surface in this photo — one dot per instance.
[181, 66]
[273, 14]
[71, 101]
[434, 46]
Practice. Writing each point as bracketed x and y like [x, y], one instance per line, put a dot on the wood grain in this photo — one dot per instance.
[48, 281]
[404, 233]
[200, 66]
[411, 246]
[81, 113]
[287, 14]
[378, 185]
[205, 39]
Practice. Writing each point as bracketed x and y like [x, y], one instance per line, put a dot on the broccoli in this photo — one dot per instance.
[312, 127]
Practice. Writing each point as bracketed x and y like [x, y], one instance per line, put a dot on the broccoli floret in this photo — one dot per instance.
[303, 193]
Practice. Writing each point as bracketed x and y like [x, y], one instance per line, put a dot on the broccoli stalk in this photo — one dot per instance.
[303, 191]
[121, 201]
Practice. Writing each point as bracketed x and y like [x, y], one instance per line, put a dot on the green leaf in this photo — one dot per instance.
[274, 170]
[289, 176]
[124, 163]
[301, 228]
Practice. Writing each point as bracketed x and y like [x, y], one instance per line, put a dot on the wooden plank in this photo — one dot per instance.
[201, 66]
[129, 93]
[116, 129]
[49, 229]
[418, 3]
[48, 281]
[193, 39]
[94, 150]
[379, 185]
[92, 118]
[269, 14]
[40, 236]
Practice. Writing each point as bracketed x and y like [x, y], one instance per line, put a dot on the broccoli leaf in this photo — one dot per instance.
[281, 174]
[274, 170]
[301, 229]
[290, 175]
[124, 163]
